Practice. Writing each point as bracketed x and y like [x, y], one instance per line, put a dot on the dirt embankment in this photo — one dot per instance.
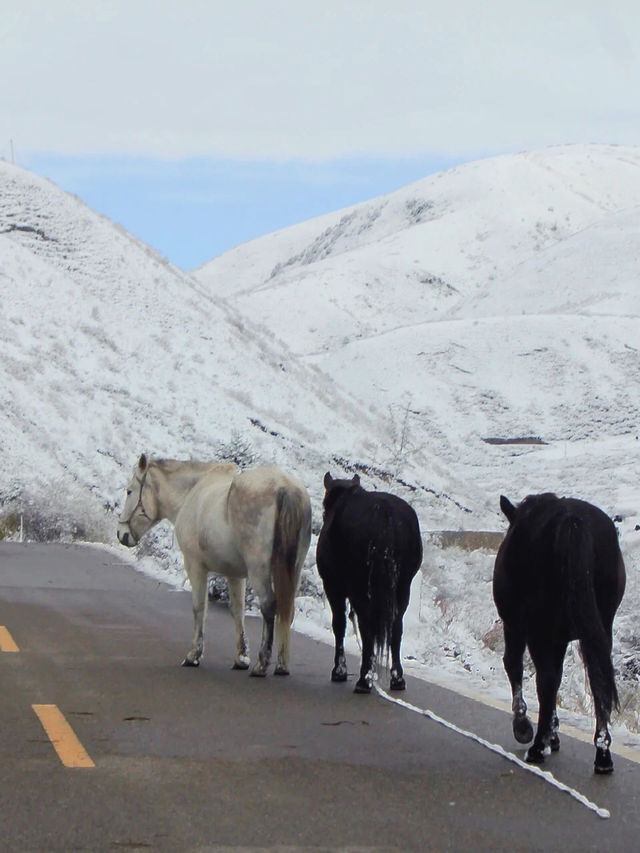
[468, 540]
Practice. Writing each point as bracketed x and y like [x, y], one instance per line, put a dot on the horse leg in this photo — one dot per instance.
[603, 762]
[338, 604]
[368, 664]
[197, 574]
[548, 666]
[268, 610]
[554, 741]
[237, 588]
[272, 623]
[514, 646]
[602, 741]
[397, 681]
[283, 645]
[283, 640]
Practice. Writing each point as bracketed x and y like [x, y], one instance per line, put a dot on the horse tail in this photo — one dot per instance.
[292, 525]
[382, 561]
[578, 566]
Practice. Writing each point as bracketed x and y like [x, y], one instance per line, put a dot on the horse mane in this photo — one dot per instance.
[535, 512]
[189, 472]
[544, 499]
[336, 490]
[538, 506]
[187, 466]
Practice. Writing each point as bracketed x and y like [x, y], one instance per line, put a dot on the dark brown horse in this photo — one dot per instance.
[368, 552]
[559, 576]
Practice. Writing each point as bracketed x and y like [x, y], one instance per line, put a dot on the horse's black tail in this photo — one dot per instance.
[382, 560]
[576, 547]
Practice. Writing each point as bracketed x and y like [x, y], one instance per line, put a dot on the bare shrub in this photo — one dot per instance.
[239, 450]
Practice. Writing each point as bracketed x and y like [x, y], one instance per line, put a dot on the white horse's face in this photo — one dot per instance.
[140, 509]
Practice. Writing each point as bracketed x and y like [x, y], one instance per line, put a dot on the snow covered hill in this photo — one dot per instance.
[471, 334]
[107, 350]
[497, 300]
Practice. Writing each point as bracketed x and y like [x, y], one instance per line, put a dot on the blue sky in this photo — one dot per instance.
[200, 124]
[192, 210]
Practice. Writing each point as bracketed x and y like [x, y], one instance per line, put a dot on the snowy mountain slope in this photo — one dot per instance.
[477, 303]
[491, 312]
[107, 351]
[594, 271]
[426, 249]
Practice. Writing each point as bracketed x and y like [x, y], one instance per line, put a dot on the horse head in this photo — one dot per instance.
[334, 488]
[331, 483]
[140, 511]
[523, 509]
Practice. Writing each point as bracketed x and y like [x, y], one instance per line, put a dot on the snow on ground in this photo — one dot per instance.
[475, 333]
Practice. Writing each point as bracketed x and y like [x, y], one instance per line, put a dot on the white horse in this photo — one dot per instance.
[253, 525]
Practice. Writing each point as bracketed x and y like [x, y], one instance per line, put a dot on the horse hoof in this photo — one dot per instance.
[397, 684]
[188, 662]
[603, 763]
[258, 671]
[281, 670]
[522, 729]
[240, 664]
[554, 743]
[362, 686]
[338, 676]
[536, 754]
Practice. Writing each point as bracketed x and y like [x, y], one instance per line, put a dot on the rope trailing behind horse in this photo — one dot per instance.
[499, 750]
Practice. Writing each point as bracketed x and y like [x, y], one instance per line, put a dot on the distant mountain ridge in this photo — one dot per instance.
[108, 350]
[460, 231]
[499, 298]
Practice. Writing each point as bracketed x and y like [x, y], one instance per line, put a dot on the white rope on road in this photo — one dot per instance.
[494, 747]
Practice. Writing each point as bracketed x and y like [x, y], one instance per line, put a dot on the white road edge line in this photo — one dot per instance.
[494, 747]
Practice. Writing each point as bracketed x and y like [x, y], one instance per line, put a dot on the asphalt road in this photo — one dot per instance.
[210, 759]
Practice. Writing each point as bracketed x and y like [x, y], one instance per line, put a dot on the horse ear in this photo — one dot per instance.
[507, 508]
[356, 479]
[328, 480]
[142, 463]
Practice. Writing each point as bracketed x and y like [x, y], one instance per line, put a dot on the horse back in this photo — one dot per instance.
[202, 527]
[559, 559]
[360, 521]
[228, 519]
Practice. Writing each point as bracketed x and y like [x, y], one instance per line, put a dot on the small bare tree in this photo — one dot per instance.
[401, 444]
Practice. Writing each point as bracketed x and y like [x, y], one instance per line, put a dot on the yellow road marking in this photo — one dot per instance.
[7, 643]
[70, 751]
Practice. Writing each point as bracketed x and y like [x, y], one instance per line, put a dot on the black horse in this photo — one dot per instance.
[558, 576]
[368, 551]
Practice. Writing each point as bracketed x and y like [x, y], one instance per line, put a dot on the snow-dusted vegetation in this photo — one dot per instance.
[473, 334]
